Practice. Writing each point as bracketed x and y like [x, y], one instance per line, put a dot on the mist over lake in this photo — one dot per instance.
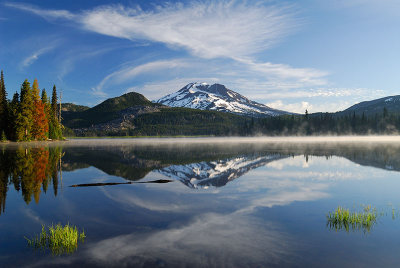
[197, 202]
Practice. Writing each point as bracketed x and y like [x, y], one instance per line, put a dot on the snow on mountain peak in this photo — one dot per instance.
[216, 97]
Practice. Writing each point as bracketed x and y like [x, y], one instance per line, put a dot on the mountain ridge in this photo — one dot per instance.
[217, 97]
[376, 106]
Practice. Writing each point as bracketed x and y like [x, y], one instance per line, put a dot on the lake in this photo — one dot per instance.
[202, 202]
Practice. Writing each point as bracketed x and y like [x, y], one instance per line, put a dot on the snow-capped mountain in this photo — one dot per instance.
[218, 98]
[216, 173]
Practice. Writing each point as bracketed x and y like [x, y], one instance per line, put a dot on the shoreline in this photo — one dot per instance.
[99, 141]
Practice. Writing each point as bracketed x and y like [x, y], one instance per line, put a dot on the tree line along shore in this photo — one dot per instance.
[30, 115]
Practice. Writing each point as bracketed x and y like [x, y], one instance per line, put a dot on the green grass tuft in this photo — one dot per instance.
[343, 218]
[58, 239]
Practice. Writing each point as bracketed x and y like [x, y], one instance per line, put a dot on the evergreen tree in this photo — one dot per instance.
[47, 110]
[14, 112]
[40, 125]
[54, 103]
[54, 124]
[3, 105]
[44, 96]
[25, 120]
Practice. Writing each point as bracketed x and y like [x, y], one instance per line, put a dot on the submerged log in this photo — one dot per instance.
[117, 183]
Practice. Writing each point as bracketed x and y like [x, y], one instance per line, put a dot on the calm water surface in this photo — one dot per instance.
[200, 204]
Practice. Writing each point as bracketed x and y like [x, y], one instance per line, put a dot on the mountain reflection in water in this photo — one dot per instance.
[30, 169]
[201, 166]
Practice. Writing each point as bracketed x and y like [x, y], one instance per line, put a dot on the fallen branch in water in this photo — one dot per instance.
[117, 183]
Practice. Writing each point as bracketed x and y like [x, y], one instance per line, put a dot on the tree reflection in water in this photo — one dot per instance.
[30, 171]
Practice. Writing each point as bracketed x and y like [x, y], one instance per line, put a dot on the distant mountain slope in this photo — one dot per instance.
[70, 107]
[111, 109]
[392, 104]
[217, 97]
[122, 102]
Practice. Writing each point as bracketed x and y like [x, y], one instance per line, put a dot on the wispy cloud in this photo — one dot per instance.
[70, 59]
[127, 73]
[35, 55]
[205, 28]
[286, 72]
[232, 29]
[45, 13]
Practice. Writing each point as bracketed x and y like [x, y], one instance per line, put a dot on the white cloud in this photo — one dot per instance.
[308, 76]
[35, 56]
[207, 29]
[291, 107]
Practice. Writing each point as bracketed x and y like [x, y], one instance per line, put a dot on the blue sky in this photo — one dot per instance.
[291, 55]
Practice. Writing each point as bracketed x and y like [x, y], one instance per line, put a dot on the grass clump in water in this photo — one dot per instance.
[58, 239]
[343, 218]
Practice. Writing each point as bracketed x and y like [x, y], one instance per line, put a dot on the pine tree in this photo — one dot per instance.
[3, 105]
[13, 114]
[40, 125]
[54, 102]
[25, 118]
[47, 110]
[54, 124]
[45, 99]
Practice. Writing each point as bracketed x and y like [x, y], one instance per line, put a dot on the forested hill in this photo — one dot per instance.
[132, 114]
[106, 111]
[391, 104]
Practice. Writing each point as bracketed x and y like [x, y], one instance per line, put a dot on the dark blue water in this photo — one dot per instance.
[238, 204]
